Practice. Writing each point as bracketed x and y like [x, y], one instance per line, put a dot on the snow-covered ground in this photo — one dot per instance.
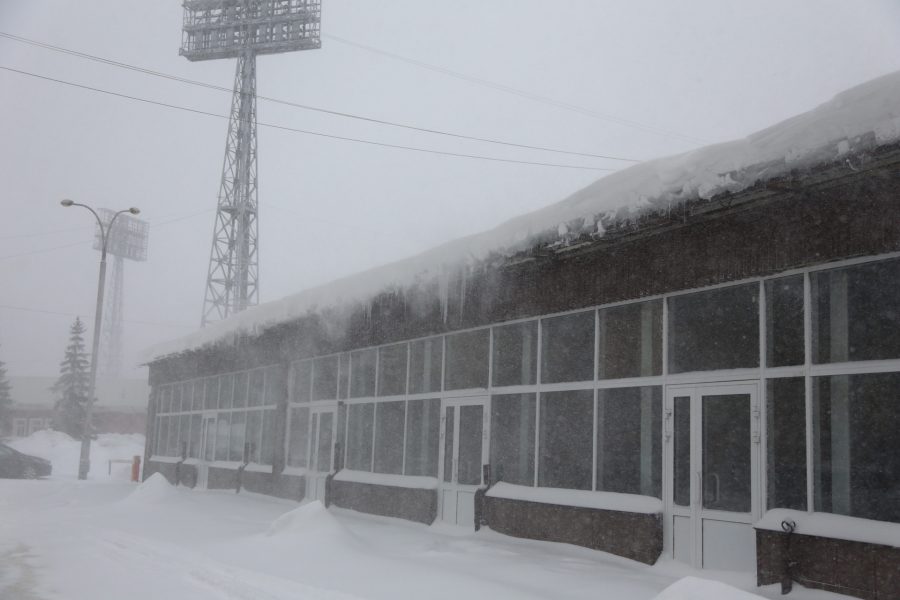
[106, 538]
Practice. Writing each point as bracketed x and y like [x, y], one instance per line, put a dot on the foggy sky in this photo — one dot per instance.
[711, 70]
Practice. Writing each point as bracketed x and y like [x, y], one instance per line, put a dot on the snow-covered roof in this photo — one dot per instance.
[854, 119]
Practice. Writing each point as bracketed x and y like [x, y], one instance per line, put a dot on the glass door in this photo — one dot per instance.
[322, 432]
[464, 430]
[712, 459]
[207, 449]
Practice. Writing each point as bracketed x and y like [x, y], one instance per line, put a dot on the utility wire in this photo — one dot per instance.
[211, 86]
[305, 131]
[517, 92]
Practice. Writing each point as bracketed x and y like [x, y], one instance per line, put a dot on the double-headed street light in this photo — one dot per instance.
[84, 464]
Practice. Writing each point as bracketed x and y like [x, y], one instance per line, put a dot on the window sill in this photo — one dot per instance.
[633, 503]
[828, 525]
[402, 481]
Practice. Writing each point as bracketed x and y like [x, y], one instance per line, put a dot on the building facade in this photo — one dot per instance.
[703, 384]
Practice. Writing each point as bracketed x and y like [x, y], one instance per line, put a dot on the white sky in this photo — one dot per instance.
[712, 70]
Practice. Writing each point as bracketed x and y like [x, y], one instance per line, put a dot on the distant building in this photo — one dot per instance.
[121, 406]
[680, 360]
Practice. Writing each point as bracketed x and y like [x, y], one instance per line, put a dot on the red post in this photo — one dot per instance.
[136, 469]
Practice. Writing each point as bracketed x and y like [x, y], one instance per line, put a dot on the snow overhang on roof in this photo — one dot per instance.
[857, 119]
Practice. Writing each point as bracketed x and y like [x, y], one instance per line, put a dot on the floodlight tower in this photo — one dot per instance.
[242, 29]
[127, 240]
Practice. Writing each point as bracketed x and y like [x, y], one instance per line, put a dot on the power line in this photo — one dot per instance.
[305, 131]
[517, 92]
[194, 82]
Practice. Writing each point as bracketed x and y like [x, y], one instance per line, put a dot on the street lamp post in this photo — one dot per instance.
[84, 463]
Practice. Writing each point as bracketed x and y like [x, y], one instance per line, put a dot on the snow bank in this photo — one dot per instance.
[314, 528]
[833, 526]
[695, 588]
[64, 452]
[403, 481]
[857, 119]
[154, 490]
[580, 498]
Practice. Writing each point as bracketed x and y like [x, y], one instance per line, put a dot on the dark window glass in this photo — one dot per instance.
[165, 401]
[512, 438]
[240, 390]
[718, 329]
[423, 421]
[344, 379]
[174, 392]
[274, 385]
[566, 446]
[726, 458]
[257, 387]
[324, 442]
[267, 443]
[449, 432]
[392, 370]
[341, 441]
[856, 313]
[630, 340]
[236, 439]
[567, 348]
[471, 429]
[188, 390]
[172, 442]
[254, 427]
[211, 393]
[359, 436]
[856, 436]
[425, 363]
[786, 443]
[223, 428]
[162, 435]
[467, 360]
[184, 437]
[389, 417]
[226, 391]
[784, 321]
[515, 354]
[199, 396]
[301, 381]
[362, 374]
[298, 437]
[681, 442]
[325, 378]
[629, 448]
[194, 450]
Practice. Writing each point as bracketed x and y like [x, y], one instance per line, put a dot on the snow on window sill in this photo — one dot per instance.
[223, 464]
[633, 503]
[402, 481]
[165, 459]
[297, 471]
[828, 525]
[258, 468]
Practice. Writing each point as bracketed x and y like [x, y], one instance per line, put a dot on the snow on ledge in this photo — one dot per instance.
[294, 471]
[402, 481]
[839, 527]
[258, 468]
[165, 459]
[579, 498]
[851, 121]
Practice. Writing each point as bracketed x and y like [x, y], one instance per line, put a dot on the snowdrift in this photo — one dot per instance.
[154, 490]
[313, 525]
[695, 588]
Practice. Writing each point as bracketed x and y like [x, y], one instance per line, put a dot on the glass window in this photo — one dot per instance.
[786, 443]
[298, 437]
[629, 448]
[162, 448]
[567, 348]
[236, 439]
[199, 395]
[187, 392]
[164, 400]
[392, 370]
[359, 436]
[324, 442]
[226, 391]
[425, 362]
[267, 443]
[254, 427]
[325, 378]
[423, 421]
[275, 382]
[194, 450]
[362, 373]
[855, 440]
[470, 460]
[172, 442]
[184, 436]
[718, 329]
[174, 391]
[212, 393]
[449, 433]
[566, 445]
[681, 450]
[389, 417]
[257, 387]
[515, 354]
[630, 340]
[856, 313]
[301, 381]
[467, 360]
[344, 381]
[223, 427]
[784, 321]
[512, 438]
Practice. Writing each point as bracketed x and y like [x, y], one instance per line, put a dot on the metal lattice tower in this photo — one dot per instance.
[242, 29]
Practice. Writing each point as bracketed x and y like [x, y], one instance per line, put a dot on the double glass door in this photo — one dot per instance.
[322, 431]
[713, 474]
[464, 429]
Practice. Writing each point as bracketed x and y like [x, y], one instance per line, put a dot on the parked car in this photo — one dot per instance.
[14, 464]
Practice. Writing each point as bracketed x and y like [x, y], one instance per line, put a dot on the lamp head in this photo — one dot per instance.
[67, 203]
[134, 210]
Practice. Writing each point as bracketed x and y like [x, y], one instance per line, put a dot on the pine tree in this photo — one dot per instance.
[6, 401]
[72, 385]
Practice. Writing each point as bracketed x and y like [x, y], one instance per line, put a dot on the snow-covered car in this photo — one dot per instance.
[14, 464]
